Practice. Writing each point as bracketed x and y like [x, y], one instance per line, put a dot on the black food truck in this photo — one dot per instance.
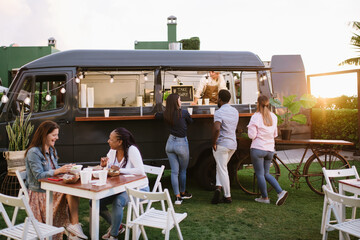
[73, 88]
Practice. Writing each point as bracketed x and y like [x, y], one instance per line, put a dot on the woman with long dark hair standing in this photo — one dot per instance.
[262, 129]
[124, 154]
[42, 162]
[177, 146]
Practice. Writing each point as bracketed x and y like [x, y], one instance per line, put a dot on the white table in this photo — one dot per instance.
[347, 185]
[113, 186]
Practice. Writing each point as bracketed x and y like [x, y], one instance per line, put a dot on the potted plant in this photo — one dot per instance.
[291, 112]
[18, 133]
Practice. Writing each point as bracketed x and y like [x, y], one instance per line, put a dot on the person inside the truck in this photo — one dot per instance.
[262, 129]
[125, 155]
[177, 146]
[42, 162]
[209, 87]
[224, 144]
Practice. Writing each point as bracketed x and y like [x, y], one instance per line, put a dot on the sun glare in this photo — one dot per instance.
[334, 86]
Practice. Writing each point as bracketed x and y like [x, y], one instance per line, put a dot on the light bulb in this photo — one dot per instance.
[77, 80]
[27, 101]
[63, 90]
[4, 98]
[264, 77]
[81, 76]
[111, 79]
[48, 97]
[145, 77]
[175, 78]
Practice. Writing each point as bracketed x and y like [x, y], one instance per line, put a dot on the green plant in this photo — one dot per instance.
[19, 133]
[292, 108]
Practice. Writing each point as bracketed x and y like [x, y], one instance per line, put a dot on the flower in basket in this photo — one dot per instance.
[291, 108]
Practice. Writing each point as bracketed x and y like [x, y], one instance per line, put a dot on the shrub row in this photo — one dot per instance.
[338, 102]
[335, 124]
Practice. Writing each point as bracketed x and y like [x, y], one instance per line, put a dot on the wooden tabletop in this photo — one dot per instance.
[314, 142]
[144, 117]
[110, 182]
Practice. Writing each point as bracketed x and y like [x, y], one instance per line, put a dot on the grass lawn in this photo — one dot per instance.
[299, 218]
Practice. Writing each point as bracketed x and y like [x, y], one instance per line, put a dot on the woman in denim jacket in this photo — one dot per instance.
[42, 162]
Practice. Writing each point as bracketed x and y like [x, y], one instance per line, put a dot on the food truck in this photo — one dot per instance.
[73, 88]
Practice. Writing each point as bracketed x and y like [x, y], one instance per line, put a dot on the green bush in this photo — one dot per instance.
[335, 124]
[338, 102]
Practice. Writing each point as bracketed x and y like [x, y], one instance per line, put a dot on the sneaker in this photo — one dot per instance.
[107, 234]
[262, 200]
[282, 198]
[76, 230]
[185, 195]
[71, 236]
[226, 200]
[178, 201]
[216, 197]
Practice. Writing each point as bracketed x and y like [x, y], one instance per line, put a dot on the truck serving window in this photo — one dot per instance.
[116, 89]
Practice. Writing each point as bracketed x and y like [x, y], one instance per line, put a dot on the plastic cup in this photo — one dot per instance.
[106, 112]
[212, 110]
[190, 110]
[102, 177]
[85, 177]
[207, 101]
[199, 101]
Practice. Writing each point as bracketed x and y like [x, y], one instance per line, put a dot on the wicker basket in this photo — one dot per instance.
[15, 158]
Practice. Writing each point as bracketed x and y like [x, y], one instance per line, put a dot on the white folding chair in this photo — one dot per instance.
[157, 185]
[31, 228]
[331, 178]
[351, 227]
[152, 217]
[21, 176]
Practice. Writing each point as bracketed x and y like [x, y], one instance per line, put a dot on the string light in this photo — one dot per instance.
[175, 78]
[27, 100]
[63, 90]
[145, 77]
[111, 78]
[4, 98]
[77, 79]
[48, 97]
[207, 79]
[81, 75]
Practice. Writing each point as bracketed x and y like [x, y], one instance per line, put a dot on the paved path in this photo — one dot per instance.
[295, 155]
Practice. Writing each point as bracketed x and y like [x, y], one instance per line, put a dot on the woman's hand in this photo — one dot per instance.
[64, 169]
[103, 161]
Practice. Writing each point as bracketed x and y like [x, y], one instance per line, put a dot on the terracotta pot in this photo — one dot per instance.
[285, 134]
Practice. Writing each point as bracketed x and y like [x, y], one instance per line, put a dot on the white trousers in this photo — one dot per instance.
[222, 156]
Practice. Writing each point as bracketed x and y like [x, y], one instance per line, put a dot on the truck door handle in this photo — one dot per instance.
[63, 121]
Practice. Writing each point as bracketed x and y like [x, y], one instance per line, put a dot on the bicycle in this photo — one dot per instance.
[324, 155]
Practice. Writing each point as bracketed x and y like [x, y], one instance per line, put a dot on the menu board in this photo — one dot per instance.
[186, 92]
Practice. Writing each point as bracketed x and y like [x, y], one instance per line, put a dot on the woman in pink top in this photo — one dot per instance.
[262, 129]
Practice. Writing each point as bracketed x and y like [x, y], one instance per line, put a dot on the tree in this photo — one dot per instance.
[190, 44]
[355, 41]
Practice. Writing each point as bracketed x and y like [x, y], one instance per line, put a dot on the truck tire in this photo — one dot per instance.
[207, 171]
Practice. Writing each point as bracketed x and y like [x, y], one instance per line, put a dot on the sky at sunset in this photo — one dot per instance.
[319, 30]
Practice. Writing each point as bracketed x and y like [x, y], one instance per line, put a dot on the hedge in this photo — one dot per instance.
[335, 124]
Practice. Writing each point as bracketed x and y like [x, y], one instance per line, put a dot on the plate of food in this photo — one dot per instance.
[70, 178]
[76, 169]
[114, 171]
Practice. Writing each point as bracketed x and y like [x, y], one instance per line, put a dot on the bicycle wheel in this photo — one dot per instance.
[246, 178]
[313, 168]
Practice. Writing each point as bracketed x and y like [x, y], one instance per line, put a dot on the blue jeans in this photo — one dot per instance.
[177, 150]
[118, 202]
[261, 161]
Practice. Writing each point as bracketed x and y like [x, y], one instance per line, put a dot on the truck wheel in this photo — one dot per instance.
[207, 172]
